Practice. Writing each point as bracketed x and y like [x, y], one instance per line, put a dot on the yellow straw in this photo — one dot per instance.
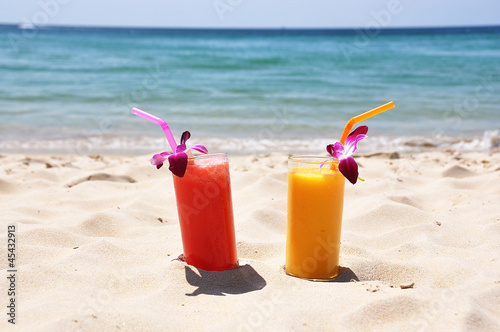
[364, 116]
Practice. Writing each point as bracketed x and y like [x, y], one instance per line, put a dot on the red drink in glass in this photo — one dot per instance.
[205, 210]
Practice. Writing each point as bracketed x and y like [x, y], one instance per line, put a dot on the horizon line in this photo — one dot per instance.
[102, 27]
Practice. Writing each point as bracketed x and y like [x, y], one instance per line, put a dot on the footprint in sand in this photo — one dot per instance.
[101, 225]
[28, 161]
[405, 200]
[6, 187]
[457, 172]
[103, 177]
[271, 218]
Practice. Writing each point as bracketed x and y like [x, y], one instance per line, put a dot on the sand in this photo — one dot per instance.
[97, 241]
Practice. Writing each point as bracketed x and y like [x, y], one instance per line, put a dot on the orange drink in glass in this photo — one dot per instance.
[314, 217]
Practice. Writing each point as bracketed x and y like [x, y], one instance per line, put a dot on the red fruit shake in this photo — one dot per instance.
[205, 210]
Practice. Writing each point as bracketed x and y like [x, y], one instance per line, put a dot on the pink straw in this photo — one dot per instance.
[161, 122]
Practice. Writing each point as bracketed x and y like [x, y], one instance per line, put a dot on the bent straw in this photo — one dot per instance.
[364, 116]
[163, 124]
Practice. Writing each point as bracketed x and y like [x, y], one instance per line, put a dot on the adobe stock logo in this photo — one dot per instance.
[379, 19]
[48, 10]
[222, 7]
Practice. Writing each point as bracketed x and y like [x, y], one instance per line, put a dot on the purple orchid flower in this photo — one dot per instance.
[178, 161]
[347, 165]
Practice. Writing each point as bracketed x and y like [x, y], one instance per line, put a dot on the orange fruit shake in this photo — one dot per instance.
[314, 218]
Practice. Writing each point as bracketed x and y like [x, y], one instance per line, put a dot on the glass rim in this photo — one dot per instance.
[206, 156]
[312, 159]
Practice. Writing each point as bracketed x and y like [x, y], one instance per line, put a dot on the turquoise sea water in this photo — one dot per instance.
[71, 89]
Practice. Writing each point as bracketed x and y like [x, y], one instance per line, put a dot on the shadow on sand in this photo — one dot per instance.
[345, 275]
[241, 280]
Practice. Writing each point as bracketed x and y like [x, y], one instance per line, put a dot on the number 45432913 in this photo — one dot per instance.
[11, 246]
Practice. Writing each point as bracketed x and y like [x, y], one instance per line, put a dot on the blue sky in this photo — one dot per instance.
[253, 13]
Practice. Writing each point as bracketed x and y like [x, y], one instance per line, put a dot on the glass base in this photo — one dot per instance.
[329, 278]
[182, 258]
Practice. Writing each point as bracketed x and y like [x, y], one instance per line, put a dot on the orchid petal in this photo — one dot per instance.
[180, 148]
[185, 136]
[352, 143]
[361, 130]
[335, 150]
[178, 163]
[349, 168]
[158, 159]
[200, 148]
[354, 137]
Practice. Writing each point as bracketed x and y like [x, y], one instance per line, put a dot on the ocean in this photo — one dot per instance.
[71, 90]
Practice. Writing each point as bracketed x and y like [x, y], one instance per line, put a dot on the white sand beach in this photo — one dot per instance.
[97, 241]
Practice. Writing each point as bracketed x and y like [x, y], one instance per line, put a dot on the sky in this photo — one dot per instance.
[253, 13]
